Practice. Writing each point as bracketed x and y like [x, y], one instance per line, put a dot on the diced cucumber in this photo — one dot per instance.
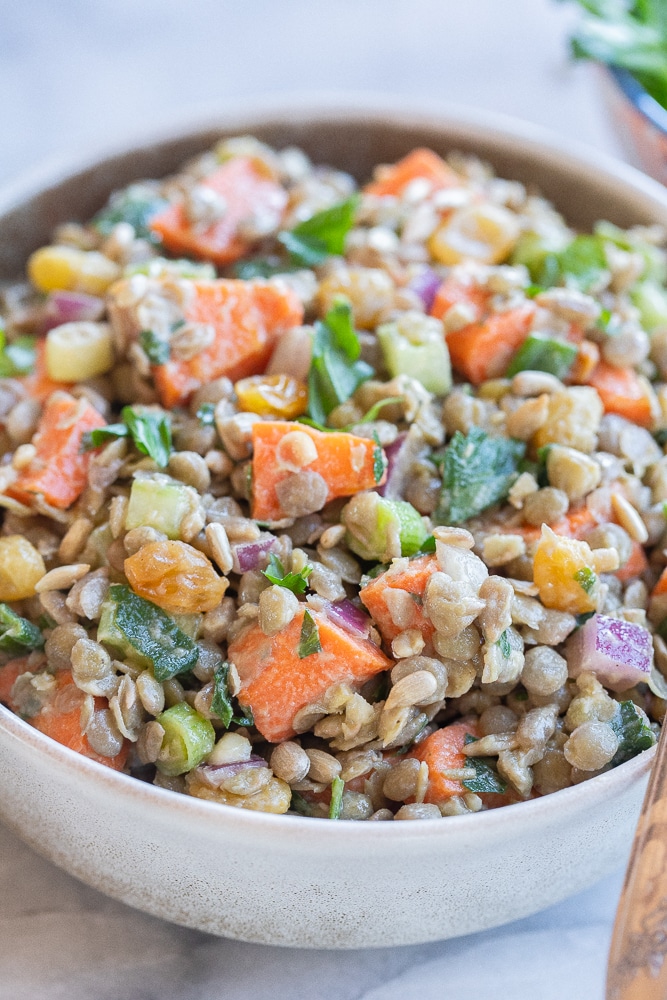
[533, 250]
[651, 300]
[159, 502]
[188, 738]
[374, 526]
[543, 354]
[415, 345]
[111, 635]
[655, 260]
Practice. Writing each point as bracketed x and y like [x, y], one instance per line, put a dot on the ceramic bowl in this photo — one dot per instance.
[292, 880]
[640, 122]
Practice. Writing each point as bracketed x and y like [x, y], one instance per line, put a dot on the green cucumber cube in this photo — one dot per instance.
[415, 345]
[161, 503]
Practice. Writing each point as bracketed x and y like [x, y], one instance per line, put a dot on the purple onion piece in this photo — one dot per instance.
[70, 307]
[248, 555]
[214, 774]
[401, 455]
[619, 653]
[425, 285]
[350, 617]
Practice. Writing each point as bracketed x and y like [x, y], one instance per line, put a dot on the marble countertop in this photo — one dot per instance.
[78, 75]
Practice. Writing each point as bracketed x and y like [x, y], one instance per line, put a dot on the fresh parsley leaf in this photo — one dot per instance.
[296, 582]
[206, 415]
[17, 357]
[336, 806]
[428, 546]
[583, 617]
[586, 579]
[309, 641]
[136, 204]
[150, 433]
[377, 408]
[156, 350]
[486, 777]
[17, 635]
[312, 241]
[221, 702]
[301, 805]
[335, 370]
[153, 633]
[477, 471]
[634, 735]
[260, 267]
[505, 645]
[379, 461]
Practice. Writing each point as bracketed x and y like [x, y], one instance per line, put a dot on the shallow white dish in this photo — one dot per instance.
[291, 880]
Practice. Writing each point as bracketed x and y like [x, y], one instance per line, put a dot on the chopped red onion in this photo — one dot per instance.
[350, 617]
[619, 653]
[425, 285]
[401, 455]
[214, 774]
[248, 555]
[70, 307]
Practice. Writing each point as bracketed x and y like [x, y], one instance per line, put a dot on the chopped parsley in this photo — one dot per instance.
[486, 777]
[543, 354]
[586, 579]
[634, 735]
[221, 702]
[336, 370]
[206, 414]
[477, 471]
[136, 204]
[296, 582]
[150, 433]
[17, 635]
[379, 460]
[156, 350]
[505, 645]
[309, 641]
[312, 241]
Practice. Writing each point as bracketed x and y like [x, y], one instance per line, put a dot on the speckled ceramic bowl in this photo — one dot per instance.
[291, 880]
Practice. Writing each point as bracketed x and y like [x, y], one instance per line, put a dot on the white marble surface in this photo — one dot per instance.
[81, 74]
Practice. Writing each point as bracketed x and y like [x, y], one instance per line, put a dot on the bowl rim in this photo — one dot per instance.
[368, 108]
[640, 99]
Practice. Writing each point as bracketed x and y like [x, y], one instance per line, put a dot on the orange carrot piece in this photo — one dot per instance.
[247, 192]
[661, 586]
[276, 683]
[622, 391]
[483, 350]
[421, 163]
[38, 384]
[452, 292]
[443, 751]
[636, 564]
[8, 674]
[347, 464]
[63, 724]
[59, 468]
[412, 579]
[248, 317]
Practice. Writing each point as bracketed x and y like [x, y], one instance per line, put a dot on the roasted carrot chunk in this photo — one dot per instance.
[634, 566]
[443, 751]
[279, 676]
[419, 164]
[342, 464]
[622, 391]
[483, 350]
[59, 469]
[380, 598]
[247, 192]
[247, 318]
[452, 292]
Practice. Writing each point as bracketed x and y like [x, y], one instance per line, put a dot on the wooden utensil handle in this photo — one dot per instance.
[637, 968]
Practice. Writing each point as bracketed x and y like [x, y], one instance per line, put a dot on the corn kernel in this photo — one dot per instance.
[57, 268]
[21, 567]
[485, 233]
[272, 396]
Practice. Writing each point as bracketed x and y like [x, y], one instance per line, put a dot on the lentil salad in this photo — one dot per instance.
[260, 547]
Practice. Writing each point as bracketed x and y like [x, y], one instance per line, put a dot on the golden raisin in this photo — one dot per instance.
[563, 574]
[279, 396]
[21, 567]
[175, 576]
